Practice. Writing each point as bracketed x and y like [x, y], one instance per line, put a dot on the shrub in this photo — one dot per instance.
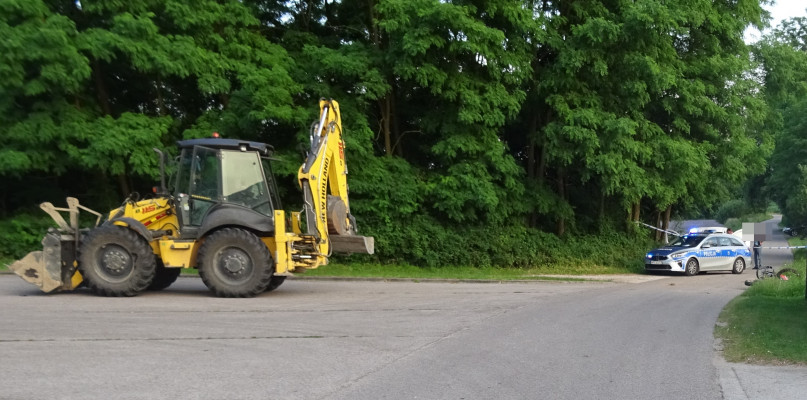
[425, 243]
[731, 209]
[23, 233]
[734, 224]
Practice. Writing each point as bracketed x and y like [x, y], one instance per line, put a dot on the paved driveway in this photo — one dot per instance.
[314, 339]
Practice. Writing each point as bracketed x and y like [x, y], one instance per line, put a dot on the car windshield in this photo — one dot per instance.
[687, 241]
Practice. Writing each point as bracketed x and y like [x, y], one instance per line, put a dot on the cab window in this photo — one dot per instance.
[244, 182]
[205, 183]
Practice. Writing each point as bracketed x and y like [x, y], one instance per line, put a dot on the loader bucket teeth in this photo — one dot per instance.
[43, 268]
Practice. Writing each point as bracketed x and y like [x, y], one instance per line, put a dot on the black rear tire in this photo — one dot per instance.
[116, 261]
[765, 272]
[275, 283]
[235, 263]
[164, 277]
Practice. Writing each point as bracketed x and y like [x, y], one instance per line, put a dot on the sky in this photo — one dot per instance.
[782, 9]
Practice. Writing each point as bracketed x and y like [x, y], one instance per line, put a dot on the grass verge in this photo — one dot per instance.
[462, 273]
[767, 324]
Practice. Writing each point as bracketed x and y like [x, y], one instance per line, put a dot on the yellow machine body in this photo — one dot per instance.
[295, 244]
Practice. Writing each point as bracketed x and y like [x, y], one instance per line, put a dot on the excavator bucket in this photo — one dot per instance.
[54, 267]
[352, 244]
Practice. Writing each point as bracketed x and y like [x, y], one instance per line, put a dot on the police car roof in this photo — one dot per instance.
[708, 229]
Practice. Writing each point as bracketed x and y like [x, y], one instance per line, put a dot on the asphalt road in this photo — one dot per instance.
[314, 339]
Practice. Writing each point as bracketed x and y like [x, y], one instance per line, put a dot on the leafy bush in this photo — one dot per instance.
[423, 242]
[734, 224]
[23, 233]
[731, 209]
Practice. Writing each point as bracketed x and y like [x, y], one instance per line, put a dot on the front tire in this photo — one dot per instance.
[692, 268]
[739, 266]
[164, 277]
[765, 272]
[235, 263]
[277, 280]
[115, 261]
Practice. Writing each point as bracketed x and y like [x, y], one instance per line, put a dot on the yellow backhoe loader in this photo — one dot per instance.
[223, 218]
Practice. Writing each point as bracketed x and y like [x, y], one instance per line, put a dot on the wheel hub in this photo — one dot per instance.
[234, 262]
[116, 260]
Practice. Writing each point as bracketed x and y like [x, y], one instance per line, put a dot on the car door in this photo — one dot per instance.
[709, 254]
[739, 249]
[727, 253]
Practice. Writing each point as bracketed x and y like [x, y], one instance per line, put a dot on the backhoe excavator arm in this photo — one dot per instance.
[323, 179]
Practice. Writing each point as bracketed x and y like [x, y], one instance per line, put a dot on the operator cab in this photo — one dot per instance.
[225, 182]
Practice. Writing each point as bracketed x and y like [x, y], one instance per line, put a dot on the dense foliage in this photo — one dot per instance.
[475, 128]
[784, 58]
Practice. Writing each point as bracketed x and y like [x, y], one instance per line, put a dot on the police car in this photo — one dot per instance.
[700, 252]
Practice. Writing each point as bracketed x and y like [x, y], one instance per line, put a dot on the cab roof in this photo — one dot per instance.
[227, 144]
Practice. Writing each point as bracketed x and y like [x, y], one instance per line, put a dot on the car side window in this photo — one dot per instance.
[710, 242]
[725, 241]
[736, 242]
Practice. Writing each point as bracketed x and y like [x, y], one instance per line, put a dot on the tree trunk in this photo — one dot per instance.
[532, 218]
[396, 127]
[540, 177]
[387, 103]
[386, 111]
[123, 185]
[375, 37]
[635, 214]
[666, 222]
[106, 107]
[531, 140]
[100, 88]
[601, 215]
[657, 225]
[541, 172]
[561, 227]
[160, 100]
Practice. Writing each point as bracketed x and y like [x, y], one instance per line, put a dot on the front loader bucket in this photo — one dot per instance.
[53, 268]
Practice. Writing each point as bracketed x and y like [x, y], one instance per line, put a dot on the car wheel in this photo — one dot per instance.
[739, 266]
[692, 267]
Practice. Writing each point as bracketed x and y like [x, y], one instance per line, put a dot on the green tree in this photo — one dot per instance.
[642, 102]
[783, 56]
[94, 85]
